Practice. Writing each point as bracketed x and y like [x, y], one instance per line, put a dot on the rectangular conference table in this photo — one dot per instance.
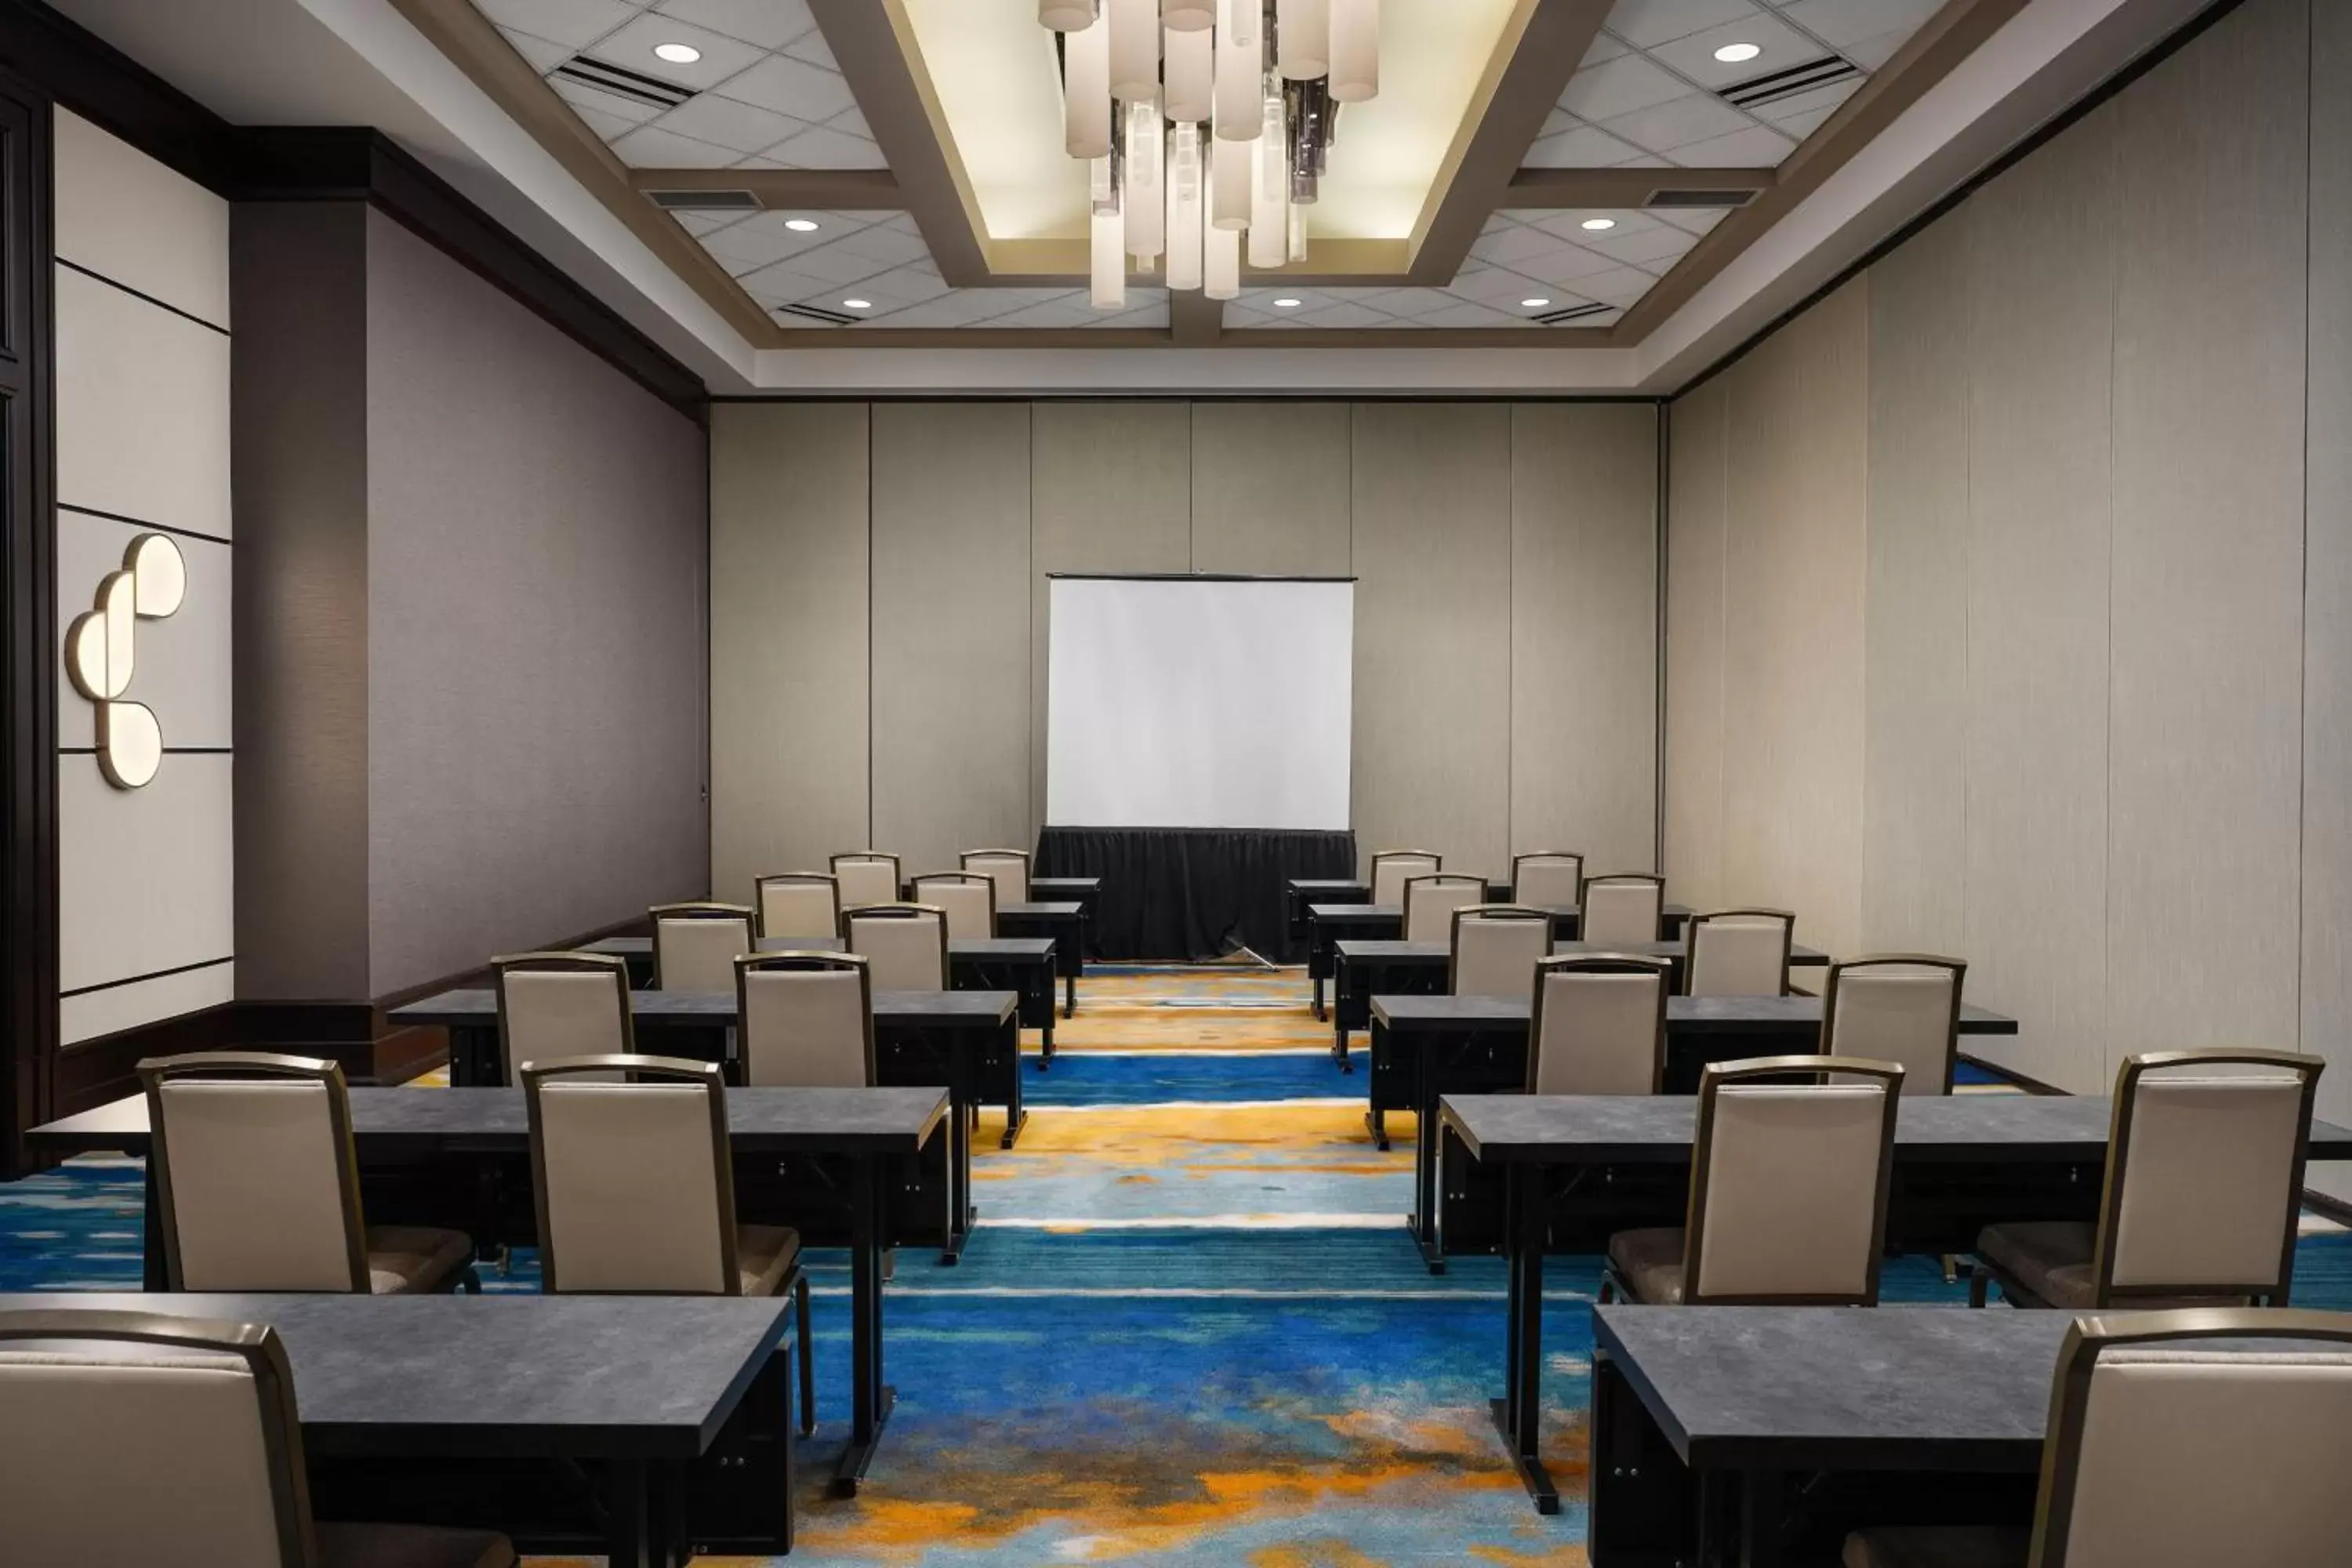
[1331, 924]
[1023, 965]
[1363, 970]
[1084, 891]
[478, 1141]
[1063, 920]
[666, 1400]
[1424, 1047]
[1971, 1160]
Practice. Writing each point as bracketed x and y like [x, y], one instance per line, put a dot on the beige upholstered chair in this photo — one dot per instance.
[2166, 1451]
[1429, 902]
[1391, 867]
[695, 945]
[553, 1005]
[634, 1184]
[907, 944]
[1599, 1025]
[1787, 1195]
[806, 1020]
[1008, 868]
[969, 898]
[2203, 1187]
[1496, 948]
[1548, 880]
[169, 1441]
[259, 1186]
[1897, 1007]
[867, 877]
[798, 904]
[1738, 953]
[1623, 906]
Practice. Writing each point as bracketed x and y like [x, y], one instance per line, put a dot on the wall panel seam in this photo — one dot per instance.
[116, 283]
[151, 975]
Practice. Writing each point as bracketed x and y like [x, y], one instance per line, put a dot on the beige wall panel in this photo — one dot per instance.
[1433, 556]
[123, 215]
[2041, 268]
[1914, 749]
[1270, 491]
[1584, 631]
[180, 663]
[142, 409]
[1694, 588]
[789, 676]
[2205, 763]
[951, 629]
[1795, 566]
[96, 1013]
[1110, 490]
[146, 877]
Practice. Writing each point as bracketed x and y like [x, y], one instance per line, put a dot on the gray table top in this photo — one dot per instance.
[1045, 910]
[1556, 1128]
[760, 1121]
[1388, 951]
[981, 949]
[586, 1376]
[1066, 884]
[1369, 914]
[1684, 1015]
[1837, 1388]
[477, 1007]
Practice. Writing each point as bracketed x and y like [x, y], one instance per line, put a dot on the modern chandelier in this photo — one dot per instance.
[1202, 121]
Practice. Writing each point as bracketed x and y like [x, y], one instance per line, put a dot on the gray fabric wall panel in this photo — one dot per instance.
[951, 629]
[1584, 631]
[789, 676]
[1433, 556]
[1110, 490]
[1270, 491]
[1696, 433]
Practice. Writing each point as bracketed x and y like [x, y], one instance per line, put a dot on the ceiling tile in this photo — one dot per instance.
[811, 47]
[1505, 242]
[758, 240]
[1346, 314]
[825, 148]
[1463, 313]
[707, 117]
[835, 265]
[1585, 147]
[783, 284]
[1647, 23]
[1620, 285]
[543, 54]
[1872, 54]
[575, 24]
[1838, 22]
[1753, 148]
[631, 47]
[610, 127]
[1816, 104]
[1694, 220]
[1619, 87]
[771, 24]
[1568, 222]
[849, 122]
[650, 147]
[1659, 242]
[904, 286]
[1693, 57]
[1494, 286]
[1605, 46]
[611, 105]
[791, 87]
[1151, 314]
[1565, 266]
[1803, 125]
[1663, 127]
[886, 246]
[699, 224]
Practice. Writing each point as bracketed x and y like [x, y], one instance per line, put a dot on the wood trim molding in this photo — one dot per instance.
[1624, 187]
[82, 72]
[1194, 321]
[833, 190]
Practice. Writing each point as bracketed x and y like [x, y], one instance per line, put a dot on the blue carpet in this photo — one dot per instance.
[1103, 1077]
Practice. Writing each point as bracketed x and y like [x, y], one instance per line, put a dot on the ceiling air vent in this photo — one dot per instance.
[1573, 313]
[1757, 91]
[622, 82]
[1700, 198]
[817, 313]
[706, 201]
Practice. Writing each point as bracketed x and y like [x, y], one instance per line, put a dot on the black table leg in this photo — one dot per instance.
[474, 1058]
[625, 1509]
[1376, 1121]
[870, 1397]
[150, 1226]
[1015, 1116]
[1426, 1196]
[1519, 1414]
[1339, 979]
[1759, 1519]
[1045, 1057]
[963, 1104]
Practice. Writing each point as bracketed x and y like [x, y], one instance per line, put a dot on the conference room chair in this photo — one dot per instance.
[867, 877]
[635, 1185]
[1897, 1007]
[1738, 953]
[553, 1006]
[1548, 879]
[906, 944]
[2203, 1193]
[1008, 868]
[969, 898]
[1429, 902]
[1599, 1025]
[798, 904]
[696, 945]
[165, 1442]
[1788, 1191]
[1495, 950]
[258, 1186]
[1622, 906]
[2165, 1449]
[1392, 868]
[806, 1019]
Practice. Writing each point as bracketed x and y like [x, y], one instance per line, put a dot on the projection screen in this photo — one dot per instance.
[1199, 701]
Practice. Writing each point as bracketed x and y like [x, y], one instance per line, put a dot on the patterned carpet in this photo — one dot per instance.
[1190, 1330]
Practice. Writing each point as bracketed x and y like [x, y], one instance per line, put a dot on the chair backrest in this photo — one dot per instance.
[1496, 948]
[969, 898]
[695, 945]
[255, 1175]
[806, 1020]
[867, 876]
[1738, 953]
[1390, 868]
[2164, 1449]
[1429, 902]
[555, 1006]
[635, 1187]
[166, 1442]
[1599, 1025]
[2204, 1177]
[1897, 1007]
[1548, 879]
[1623, 906]
[1789, 1182]
[1008, 868]
[798, 904]
[907, 944]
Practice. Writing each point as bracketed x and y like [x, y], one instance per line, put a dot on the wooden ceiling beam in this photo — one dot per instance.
[1194, 321]
[1625, 187]
[827, 190]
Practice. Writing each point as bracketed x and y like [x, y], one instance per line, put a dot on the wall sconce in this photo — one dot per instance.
[99, 655]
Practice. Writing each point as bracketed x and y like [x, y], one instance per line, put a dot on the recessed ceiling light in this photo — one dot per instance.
[1598, 224]
[1534, 304]
[1285, 304]
[800, 224]
[857, 304]
[678, 54]
[1738, 54]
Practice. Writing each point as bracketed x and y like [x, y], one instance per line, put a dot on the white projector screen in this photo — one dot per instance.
[1198, 701]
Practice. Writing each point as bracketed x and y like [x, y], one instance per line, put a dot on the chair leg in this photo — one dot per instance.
[1980, 1282]
[808, 1358]
[469, 1281]
[1951, 1270]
